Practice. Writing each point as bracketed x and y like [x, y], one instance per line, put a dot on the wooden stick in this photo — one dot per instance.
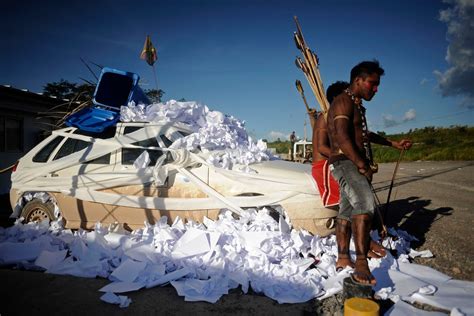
[300, 32]
[6, 169]
[299, 87]
[393, 180]
[379, 213]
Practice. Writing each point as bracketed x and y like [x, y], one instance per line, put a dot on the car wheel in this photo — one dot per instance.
[37, 211]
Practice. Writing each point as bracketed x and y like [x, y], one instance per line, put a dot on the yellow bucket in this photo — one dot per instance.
[357, 306]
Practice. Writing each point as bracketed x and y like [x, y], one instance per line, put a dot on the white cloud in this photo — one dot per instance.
[410, 115]
[274, 135]
[389, 121]
[459, 78]
[424, 81]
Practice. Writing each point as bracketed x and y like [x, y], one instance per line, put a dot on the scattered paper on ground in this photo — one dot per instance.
[205, 262]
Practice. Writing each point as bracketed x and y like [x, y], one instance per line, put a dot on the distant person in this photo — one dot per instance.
[350, 163]
[292, 145]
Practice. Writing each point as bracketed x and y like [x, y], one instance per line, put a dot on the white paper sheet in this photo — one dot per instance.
[111, 298]
[48, 259]
[192, 243]
[128, 271]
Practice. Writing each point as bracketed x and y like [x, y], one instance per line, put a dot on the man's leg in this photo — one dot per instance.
[329, 191]
[343, 226]
[361, 228]
[358, 193]
[343, 238]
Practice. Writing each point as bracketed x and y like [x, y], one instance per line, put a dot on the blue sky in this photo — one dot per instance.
[237, 57]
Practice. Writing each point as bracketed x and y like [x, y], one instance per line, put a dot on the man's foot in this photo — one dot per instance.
[376, 250]
[361, 274]
[343, 261]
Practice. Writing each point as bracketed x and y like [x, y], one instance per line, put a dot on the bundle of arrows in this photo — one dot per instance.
[309, 64]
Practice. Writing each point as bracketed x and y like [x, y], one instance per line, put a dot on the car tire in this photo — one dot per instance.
[35, 211]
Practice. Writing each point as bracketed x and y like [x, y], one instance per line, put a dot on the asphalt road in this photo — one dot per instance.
[435, 202]
[432, 200]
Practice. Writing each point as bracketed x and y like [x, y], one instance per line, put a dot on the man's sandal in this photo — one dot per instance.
[368, 277]
[376, 250]
[361, 274]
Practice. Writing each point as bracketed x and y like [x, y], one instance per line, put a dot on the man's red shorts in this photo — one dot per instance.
[327, 185]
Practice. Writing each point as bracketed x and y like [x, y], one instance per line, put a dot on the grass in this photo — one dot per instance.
[432, 143]
[429, 143]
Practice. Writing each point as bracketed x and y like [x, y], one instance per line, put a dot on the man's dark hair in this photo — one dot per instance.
[366, 68]
[336, 89]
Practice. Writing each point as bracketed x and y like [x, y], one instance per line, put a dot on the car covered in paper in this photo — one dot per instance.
[165, 159]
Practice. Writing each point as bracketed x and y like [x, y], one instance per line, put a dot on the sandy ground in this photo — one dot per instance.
[432, 200]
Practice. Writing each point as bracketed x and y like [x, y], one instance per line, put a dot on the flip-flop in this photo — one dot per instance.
[374, 255]
[376, 250]
[367, 276]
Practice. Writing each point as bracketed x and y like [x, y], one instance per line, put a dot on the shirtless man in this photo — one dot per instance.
[328, 187]
[350, 165]
[320, 135]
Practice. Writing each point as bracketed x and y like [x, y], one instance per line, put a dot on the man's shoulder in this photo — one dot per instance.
[321, 121]
[342, 102]
[341, 98]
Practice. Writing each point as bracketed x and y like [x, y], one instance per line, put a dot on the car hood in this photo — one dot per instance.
[281, 168]
[273, 176]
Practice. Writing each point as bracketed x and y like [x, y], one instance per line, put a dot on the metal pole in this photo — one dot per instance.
[156, 81]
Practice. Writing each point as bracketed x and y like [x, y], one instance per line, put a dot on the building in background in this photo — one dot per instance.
[23, 124]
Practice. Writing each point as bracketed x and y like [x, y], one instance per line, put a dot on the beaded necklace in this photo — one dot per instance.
[365, 131]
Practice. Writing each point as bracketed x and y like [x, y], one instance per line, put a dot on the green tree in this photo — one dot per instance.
[154, 95]
[64, 89]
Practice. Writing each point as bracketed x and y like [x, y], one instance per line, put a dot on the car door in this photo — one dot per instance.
[175, 185]
[80, 175]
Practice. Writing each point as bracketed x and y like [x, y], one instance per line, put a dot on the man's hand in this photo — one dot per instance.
[367, 172]
[403, 144]
[312, 112]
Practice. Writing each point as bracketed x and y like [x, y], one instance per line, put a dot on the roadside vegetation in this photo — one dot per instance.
[429, 143]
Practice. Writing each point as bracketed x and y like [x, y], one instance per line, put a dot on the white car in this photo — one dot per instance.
[98, 178]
